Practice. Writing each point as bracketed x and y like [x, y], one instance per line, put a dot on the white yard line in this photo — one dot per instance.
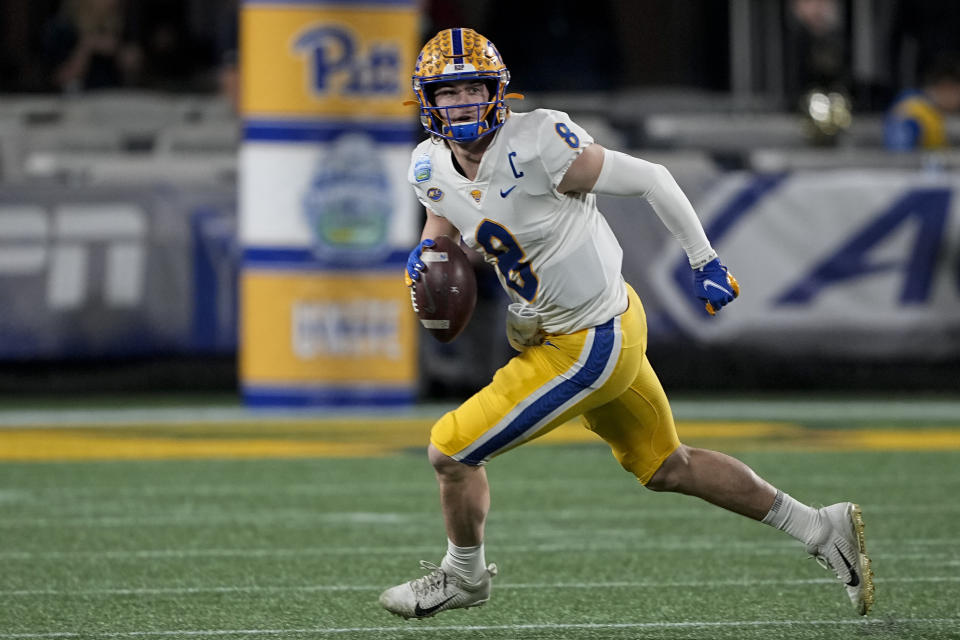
[395, 519]
[648, 546]
[560, 484]
[458, 630]
[688, 585]
[838, 410]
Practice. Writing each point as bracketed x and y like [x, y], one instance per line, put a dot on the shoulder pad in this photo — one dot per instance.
[547, 142]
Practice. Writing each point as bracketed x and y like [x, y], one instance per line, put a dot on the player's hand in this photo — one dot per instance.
[715, 285]
[415, 264]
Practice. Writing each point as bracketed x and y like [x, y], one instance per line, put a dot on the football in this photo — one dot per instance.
[446, 293]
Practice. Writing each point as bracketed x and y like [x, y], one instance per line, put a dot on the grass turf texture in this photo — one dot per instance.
[301, 548]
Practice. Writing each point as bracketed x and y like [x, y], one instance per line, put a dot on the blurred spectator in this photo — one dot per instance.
[228, 79]
[227, 44]
[817, 49]
[171, 55]
[916, 118]
[88, 47]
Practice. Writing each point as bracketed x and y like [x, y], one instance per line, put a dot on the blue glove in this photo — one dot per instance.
[414, 264]
[715, 286]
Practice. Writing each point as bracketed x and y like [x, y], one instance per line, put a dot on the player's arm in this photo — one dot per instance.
[584, 171]
[609, 172]
[434, 227]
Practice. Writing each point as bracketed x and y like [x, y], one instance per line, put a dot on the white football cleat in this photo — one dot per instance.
[435, 592]
[843, 550]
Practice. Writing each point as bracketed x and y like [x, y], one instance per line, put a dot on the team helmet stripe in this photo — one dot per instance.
[457, 40]
[602, 348]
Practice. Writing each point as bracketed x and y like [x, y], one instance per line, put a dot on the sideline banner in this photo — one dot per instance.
[97, 271]
[326, 216]
[860, 263]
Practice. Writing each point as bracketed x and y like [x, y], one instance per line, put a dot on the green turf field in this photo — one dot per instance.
[241, 546]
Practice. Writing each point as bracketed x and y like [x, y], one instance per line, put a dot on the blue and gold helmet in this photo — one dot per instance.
[450, 56]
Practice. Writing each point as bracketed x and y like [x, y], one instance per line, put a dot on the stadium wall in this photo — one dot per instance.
[851, 280]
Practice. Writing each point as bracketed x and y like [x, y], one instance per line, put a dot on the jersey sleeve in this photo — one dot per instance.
[422, 198]
[550, 143]
[560, 141]
[420, 173]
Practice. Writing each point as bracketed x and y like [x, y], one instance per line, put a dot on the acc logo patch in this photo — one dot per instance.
[476, 195]
[422, 169]
[434, 194]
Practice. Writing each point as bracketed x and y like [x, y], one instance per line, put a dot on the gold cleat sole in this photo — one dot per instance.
[866, 570]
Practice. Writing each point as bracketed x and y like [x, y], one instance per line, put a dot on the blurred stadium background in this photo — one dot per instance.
[143, 295]
[710, 89]
[164, 270]
[716, 91]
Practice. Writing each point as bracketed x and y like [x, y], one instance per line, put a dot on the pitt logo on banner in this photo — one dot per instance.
[327, 59]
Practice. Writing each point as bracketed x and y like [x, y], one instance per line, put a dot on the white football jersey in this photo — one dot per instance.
[554, 253]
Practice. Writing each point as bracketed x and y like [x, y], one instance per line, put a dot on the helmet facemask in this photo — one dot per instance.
[448, 121]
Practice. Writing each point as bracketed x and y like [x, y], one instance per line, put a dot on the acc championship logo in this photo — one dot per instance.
[347, 203]
[421, 168]
[339, 61]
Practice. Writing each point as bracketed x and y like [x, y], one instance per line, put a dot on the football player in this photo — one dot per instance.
[521, 188]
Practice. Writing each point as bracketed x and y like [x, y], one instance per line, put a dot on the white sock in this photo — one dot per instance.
[796, 519]
[467, 562]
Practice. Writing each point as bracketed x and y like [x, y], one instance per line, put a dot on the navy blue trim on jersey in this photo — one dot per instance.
[600, 352]
[312, 130]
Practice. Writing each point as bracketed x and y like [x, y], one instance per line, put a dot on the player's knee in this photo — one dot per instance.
[673, 472]
[444, 465]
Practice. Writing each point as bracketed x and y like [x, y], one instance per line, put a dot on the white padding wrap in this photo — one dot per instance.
[624, 175]
[523, 327]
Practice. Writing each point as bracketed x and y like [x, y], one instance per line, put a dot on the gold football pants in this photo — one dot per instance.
[601, 373]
